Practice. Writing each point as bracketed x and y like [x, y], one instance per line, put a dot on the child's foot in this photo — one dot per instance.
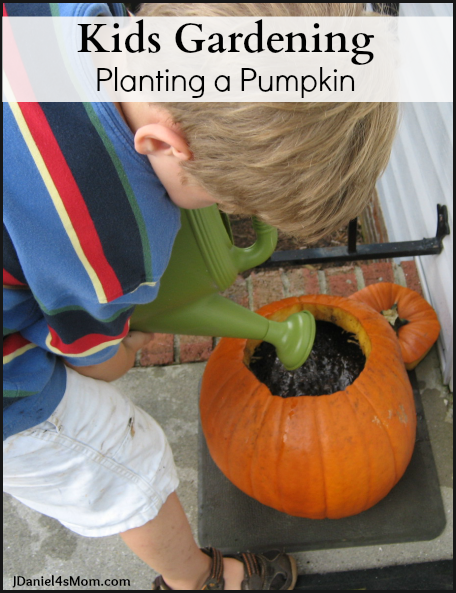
[233, 574]
[271, 571]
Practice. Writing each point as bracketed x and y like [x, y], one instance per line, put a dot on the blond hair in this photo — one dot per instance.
[306, 168]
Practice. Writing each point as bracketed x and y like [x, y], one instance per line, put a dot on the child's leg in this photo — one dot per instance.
[166, 544]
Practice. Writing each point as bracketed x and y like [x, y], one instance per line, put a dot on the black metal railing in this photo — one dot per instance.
[354, 252]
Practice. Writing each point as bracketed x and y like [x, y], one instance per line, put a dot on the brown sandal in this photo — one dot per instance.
[271, 571]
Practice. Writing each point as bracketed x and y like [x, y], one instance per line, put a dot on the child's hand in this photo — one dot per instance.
[135, 340]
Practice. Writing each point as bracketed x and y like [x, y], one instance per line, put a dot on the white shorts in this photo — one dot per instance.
[100, 465]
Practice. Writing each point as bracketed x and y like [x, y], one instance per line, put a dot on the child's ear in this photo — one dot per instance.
[158, 139]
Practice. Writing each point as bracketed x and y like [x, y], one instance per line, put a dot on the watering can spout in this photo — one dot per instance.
[292, 338]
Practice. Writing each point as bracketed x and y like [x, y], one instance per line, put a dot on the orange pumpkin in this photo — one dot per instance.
[327, 456]
[418, 326]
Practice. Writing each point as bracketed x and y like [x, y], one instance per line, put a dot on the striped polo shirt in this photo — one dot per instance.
[88, 231]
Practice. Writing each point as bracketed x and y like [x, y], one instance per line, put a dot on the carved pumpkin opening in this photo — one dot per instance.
[335, 362]
[337, 358]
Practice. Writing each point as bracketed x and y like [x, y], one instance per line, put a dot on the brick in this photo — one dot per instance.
[160, 350]
[195, 348]
[238, 292]
[341, 281]
[377, 272]
[311, 283]
[266, 287]
[295, 279]
[411, 276]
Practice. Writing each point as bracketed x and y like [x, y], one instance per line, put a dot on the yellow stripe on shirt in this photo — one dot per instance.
[53, 192]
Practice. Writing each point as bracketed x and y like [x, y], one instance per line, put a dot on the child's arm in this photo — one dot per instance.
[120, 363]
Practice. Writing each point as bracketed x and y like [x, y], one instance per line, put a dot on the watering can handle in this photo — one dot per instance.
[260, 251]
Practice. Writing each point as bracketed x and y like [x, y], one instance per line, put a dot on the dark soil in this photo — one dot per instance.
[335, 362]
[244, 236]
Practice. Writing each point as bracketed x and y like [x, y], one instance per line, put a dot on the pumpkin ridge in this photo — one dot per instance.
[279, 456]
[230, 428]
[365, 448]
[228, 456]
[410, 336]
[322, 459]
[421, 327]
[362, 391]
[266, 407]
[423, 316]
[214, 400]
[409, 301]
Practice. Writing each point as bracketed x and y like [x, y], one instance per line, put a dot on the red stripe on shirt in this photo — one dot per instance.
[13, 342]
[9, 280]
[85, 343]
[71, 197]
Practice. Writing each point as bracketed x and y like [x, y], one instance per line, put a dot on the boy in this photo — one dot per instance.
[90, 216]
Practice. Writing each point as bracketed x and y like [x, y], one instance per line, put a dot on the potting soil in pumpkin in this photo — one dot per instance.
[335, 362]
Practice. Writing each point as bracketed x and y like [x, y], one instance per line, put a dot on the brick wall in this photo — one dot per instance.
[263, 287]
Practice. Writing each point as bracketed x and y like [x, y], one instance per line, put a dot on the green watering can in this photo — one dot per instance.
[203, 263]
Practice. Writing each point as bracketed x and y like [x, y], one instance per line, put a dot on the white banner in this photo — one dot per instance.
[242, 59]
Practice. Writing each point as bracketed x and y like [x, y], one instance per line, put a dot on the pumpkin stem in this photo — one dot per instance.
[392, 315]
